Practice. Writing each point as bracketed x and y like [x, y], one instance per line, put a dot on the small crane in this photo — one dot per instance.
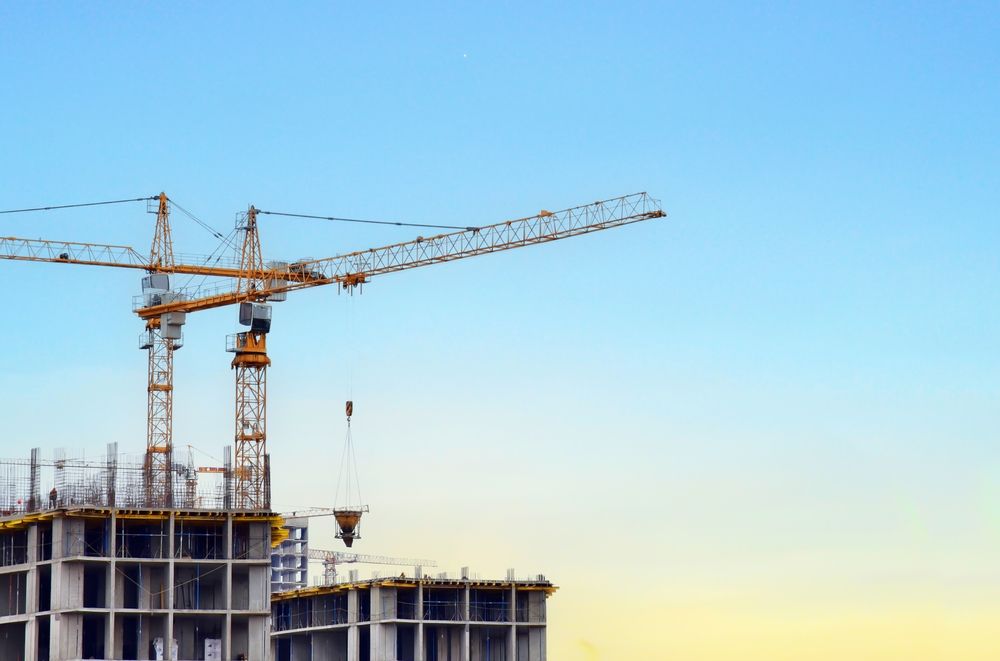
[331, 559]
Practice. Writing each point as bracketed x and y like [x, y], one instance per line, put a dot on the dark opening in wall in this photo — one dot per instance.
[130, 628]
[283, 649]
[443, 604]
[199, 540]
[13, 548]
[191, 633]
[92, 637]
[44, 587]
[130, 585]
[443, 642]
[406, 635]
[200, 586]
[42, 627]
[45, 541]
[489, 605]
[94, 586]
[139, 539]
[489, 643]
[406, 603]
[329, 609]
[251, 541]
[95, 537]
[364, 605]
[13, 593]
[12, 641]
[364, 644]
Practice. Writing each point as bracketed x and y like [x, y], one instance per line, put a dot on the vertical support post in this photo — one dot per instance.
[111, 591]
[170, 589]
[466, 633]
[418, 643]
[31, 597]
[353, 636]
[375, 624]
[512, 618]
[227, 633]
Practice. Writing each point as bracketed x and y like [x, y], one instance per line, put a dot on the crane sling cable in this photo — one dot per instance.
[348, 514]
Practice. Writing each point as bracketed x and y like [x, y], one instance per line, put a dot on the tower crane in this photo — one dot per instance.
[257, 284]
[331, 559]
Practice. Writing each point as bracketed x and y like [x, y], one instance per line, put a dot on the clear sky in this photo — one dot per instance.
[764, 428]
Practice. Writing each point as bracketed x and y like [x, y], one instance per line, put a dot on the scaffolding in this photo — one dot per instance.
[114, 480]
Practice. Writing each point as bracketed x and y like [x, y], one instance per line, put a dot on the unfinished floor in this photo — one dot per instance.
[416, 619]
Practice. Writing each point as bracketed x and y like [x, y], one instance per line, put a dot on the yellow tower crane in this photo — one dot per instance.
[257, 284]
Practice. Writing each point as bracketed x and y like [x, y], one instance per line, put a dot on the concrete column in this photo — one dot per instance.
[227, 632]
[30, 638]
[375, 630]
[58, 543]
[512, 631]
[418, 652]
[353, 638]
[109, 592]
[31, 598]
[466, 653]
[169, 643]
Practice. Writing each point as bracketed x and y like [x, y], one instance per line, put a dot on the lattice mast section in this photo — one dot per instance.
[160, 382]
[252, 479]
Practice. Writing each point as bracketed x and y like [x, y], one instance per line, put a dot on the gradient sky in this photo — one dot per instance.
[763, 428]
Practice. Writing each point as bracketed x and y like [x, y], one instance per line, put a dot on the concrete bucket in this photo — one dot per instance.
[347, 523]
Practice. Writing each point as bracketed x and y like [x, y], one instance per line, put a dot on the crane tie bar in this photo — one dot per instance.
[84, 204]
[369, 222]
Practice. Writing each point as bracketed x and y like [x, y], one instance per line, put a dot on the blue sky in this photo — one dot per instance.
[800, 363]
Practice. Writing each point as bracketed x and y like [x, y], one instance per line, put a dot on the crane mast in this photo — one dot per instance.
[252, 477]
[161, 338]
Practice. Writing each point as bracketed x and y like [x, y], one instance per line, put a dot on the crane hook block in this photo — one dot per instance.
[349, 408]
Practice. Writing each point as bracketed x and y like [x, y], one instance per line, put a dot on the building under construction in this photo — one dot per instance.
[148, 558]
[90, 570]
[414, 618]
